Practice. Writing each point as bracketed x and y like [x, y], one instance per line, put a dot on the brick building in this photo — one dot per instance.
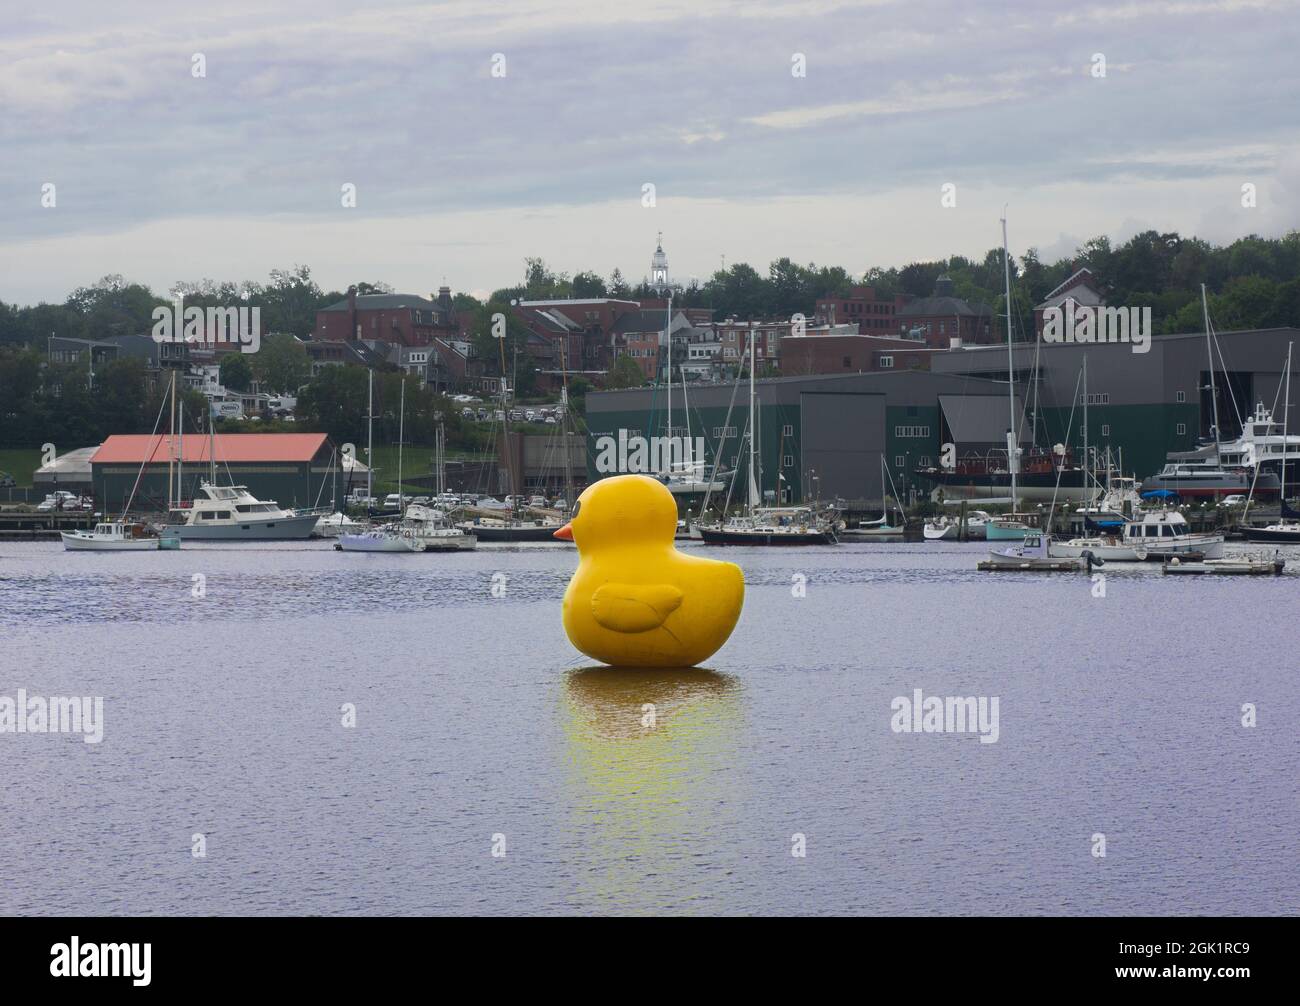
[861, 307]
[399, 318]
[943, 317]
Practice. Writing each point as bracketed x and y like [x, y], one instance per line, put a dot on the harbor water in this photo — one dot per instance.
[413, 734]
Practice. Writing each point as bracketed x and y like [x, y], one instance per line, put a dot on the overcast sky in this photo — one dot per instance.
[164, 176]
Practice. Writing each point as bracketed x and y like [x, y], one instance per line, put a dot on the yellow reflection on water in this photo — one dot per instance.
[653, 782]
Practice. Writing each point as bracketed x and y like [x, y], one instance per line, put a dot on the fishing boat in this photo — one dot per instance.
[1033, 555]
[1011, 526]
[112, 536]
[123, 535]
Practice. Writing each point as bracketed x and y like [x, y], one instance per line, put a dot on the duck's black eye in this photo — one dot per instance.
[576, 507]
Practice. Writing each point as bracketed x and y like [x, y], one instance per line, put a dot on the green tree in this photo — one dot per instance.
[282, 364]
[625, 374]
[236, 372]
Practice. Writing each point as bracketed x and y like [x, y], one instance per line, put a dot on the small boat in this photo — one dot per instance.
[385, 539]
[881, 527]
[1232, 565]
[1033, 555]
[948, 528]
[1158, 534]
[337, 523]
[1110, 548]
[1010, 527]
[113, 536]
[432, 528]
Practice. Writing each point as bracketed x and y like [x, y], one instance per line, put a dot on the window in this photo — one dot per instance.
[787, 430]
[911, 431]
[899, 461]
[787, 461]
[1181, 429]
[886, 362]
[923, 461]
[723, 431]
[1105, 429]
[1181, 396]
[1099, 399]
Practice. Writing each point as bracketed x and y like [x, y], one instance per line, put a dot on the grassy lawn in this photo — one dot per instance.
[20, 463]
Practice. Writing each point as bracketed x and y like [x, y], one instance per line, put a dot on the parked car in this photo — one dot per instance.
[1236, 499]
[537, 501]
[7, 481]
[560, 504]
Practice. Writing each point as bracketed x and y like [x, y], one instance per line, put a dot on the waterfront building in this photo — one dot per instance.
[294, 469]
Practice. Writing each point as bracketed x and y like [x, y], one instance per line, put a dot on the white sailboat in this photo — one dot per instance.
[883, 527]
[391, 537]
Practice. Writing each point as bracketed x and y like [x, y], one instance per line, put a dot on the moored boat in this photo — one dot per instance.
[112, 536]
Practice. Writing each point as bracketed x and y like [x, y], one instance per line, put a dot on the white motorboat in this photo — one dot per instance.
[1033, 554]
[437, 534]
[1158, 534]
[337, 523]
[113, 536]
[948, 528]
[1108, 548]
[232, 513]
[386, 539]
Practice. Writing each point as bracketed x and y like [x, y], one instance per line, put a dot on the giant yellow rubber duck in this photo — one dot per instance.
[635, 601]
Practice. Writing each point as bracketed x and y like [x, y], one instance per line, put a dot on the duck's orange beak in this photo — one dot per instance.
[565, 533]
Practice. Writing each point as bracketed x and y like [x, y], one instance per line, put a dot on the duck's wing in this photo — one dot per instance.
[639, 607]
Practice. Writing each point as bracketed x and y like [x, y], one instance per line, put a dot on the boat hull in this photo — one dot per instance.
[76, 543]
[717, 536]
[995, 532]
[1035, 487]
[377, 543]
[512, 532]
[1271, 536]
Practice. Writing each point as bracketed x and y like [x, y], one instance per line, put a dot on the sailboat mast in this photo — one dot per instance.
[1085, 421]
[753, 430]
[1209, 348]
[171, 448]
[401, 431]
[1286, 417]
[668, 337]
[1013, 462]
[370, 430]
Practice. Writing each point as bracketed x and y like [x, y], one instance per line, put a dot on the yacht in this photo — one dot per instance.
[1200, 474]
[232, 513]
[114, 536]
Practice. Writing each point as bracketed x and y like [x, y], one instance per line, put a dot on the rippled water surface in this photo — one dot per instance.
[1118, 715]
